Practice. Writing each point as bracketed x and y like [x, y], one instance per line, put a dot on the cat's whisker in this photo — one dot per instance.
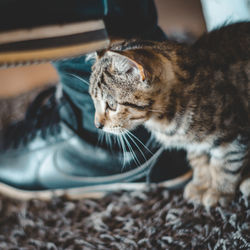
[137, 139]
[135, 158]
[143, 155]
[108, 139]
[101, 136]
[123, 149]
[78, 77]
[120, 145]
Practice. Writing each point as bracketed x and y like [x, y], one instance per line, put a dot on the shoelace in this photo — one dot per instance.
[42, 116]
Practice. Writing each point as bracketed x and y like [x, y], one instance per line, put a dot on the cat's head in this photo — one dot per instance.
[121, 88]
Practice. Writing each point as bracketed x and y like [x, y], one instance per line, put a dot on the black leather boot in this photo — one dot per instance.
[50, 149]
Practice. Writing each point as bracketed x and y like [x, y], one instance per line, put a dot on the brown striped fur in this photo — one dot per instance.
[195, 97]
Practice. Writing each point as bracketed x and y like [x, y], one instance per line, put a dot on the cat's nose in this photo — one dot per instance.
[99, 125]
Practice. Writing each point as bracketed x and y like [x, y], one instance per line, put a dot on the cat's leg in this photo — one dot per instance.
[226, 165]
[245, 186]
[201, 180]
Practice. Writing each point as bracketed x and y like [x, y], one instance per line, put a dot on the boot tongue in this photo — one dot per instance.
[74, 76]
[67, 115]
[79, 120]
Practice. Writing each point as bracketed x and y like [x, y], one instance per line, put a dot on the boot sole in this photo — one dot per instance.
[97, 191]
[51, 42]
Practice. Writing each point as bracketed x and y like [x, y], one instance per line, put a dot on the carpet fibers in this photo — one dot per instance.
[153, 219]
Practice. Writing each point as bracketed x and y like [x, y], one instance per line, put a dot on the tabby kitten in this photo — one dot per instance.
[193, 97]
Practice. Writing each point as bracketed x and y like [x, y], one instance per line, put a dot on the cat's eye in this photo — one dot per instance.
[111, 104]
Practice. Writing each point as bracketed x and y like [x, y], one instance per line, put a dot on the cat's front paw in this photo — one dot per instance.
[208, 197]
[245, 187]
[193, 193]
[212, 197]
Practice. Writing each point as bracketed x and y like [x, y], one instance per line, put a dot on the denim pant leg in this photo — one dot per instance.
[74, 77]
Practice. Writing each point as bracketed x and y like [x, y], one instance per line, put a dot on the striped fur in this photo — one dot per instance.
[194, 97]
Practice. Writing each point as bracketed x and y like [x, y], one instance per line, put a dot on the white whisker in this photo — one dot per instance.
[135, 158]
[79, 78]
[123, 149]
[109, 141]
[101, 136]
[143, 155]
[136, 138]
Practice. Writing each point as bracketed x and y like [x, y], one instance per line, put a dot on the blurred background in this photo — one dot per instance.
[178, 18]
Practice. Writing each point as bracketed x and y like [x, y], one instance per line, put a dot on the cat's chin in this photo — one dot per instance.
[115, 131]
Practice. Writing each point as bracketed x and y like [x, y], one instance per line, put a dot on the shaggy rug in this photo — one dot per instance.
[152, 219]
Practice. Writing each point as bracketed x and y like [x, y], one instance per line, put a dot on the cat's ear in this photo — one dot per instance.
[91, 57]
[124, 64]
[100, 53]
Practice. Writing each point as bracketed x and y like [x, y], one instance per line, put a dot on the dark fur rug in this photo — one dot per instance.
[153, 219]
